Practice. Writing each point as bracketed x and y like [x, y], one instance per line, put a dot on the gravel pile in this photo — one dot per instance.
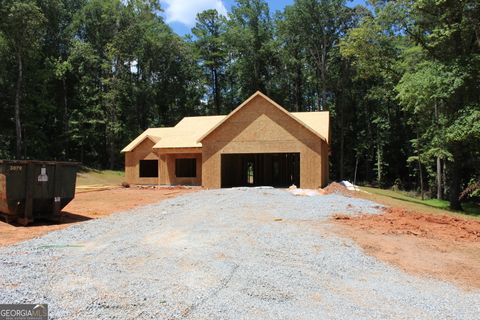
[231, 254]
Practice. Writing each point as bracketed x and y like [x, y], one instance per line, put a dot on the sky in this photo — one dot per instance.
[180, 14]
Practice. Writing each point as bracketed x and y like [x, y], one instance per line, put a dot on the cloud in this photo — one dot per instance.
[185, 11]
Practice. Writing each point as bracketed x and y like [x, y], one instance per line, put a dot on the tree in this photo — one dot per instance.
[423, 91]
[320, 25]
[132, 69]
[5, 105]
[375, 50]
[22, 24]
[448, 34]
[210, 31]
[250, 41]
[292, 57]
[56, 48]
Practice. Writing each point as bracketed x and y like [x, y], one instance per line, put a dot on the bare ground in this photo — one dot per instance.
[231, 254]
[429, 244]
[419, 242]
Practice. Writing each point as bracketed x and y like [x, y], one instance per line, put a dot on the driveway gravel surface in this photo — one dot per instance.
[222, 254]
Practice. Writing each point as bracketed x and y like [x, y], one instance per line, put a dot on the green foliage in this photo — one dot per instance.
[472, 191]
[249, 37]
[22, 24]
[465, 129]
[401, 79]
[210, 32]
[373, 52]
[428, 83]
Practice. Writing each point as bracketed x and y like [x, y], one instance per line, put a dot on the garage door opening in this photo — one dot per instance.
[279, 170]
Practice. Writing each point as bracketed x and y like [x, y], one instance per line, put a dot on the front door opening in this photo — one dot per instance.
[186, 168]
[278, 170]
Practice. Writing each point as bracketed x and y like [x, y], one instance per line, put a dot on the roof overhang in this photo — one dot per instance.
[132, 146]
[182, 150]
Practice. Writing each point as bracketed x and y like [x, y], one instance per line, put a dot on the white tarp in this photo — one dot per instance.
[349, 186]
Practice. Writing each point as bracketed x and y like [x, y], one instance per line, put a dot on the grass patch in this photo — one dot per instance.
[440, 206]
[88, 177]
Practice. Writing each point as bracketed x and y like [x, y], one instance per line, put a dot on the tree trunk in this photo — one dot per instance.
[298, 90]
[319, 75]
[82, 152]
[342, 143]
[355, 174]
[439, 160]
[455, 181]
[112, 155]
[439, 179]
[216, 92]
[379, 165]
[444, 178]
[323, 72]
[420, 172]
[367, 169]
[18, 93]
[111, 137]
[65, 118]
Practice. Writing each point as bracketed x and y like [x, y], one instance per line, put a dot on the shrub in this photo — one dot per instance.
[472, 191]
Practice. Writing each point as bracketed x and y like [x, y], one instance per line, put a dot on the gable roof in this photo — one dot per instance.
[190, 131]
[316, 120]
[309, 119]
[186, 133]
[154, 134]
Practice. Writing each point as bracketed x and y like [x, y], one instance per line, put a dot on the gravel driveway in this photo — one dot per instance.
[221, 254]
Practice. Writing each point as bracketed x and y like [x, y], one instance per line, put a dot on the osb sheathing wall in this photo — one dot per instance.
[260, 127]
[167, 168]
[166, 165]
[132, 163]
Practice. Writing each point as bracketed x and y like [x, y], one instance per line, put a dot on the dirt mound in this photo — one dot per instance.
[439, 246]
[336, 187]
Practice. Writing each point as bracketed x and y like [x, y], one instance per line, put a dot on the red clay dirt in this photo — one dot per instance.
[336, 187]
[438, 246]
[91, 205]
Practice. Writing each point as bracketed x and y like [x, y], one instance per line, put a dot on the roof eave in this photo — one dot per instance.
[132, 147]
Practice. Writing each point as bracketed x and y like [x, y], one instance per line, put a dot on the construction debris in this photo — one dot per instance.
[305, 192]
[350, 186]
